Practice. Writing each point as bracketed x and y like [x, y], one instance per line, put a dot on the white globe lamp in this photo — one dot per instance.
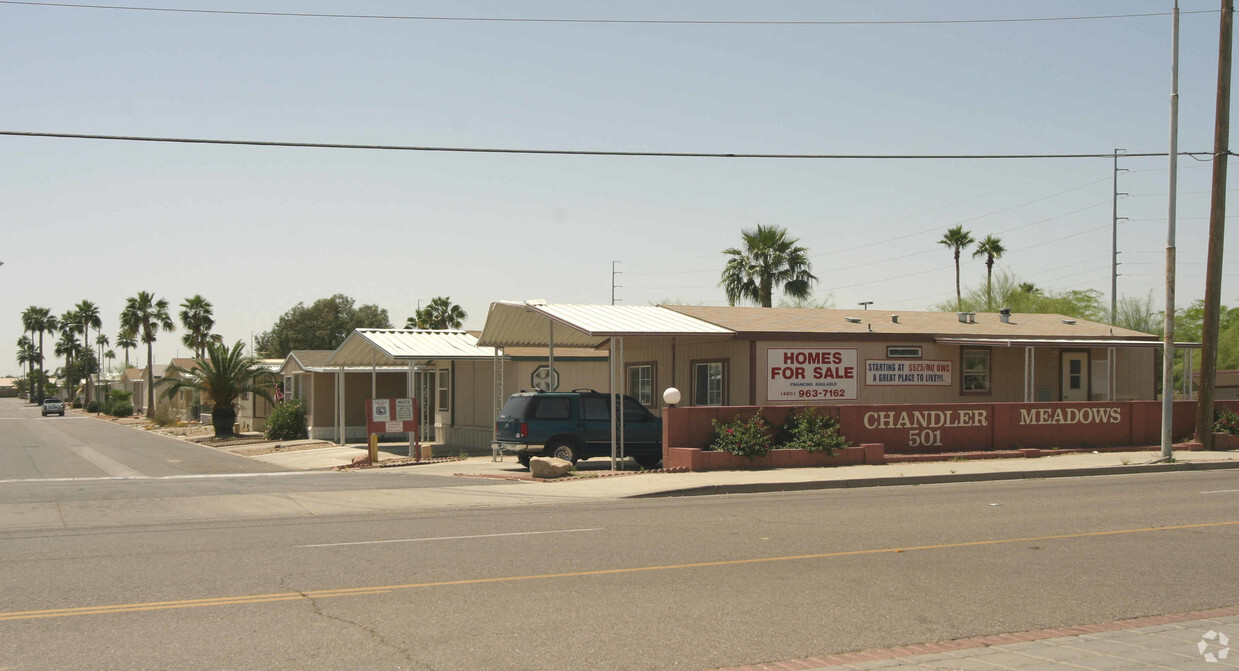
[671, 396]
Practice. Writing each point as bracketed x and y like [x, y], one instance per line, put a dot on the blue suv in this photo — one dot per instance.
[576, 425]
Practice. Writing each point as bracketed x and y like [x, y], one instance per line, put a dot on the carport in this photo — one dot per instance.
[533, 323]
[414, 348]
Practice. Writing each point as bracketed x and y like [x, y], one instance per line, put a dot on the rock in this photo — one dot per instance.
[361, 461]
[549, 467]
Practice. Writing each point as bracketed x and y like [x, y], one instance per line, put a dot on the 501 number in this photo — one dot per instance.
[927, 437]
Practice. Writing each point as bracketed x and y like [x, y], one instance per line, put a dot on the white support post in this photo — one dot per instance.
[408, 390]
[1111, 374]
[1187, 376]
[550, 358]
[340, 405]
[619, 365]
[611, 376]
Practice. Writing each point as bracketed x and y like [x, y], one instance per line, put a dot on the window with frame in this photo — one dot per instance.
[558, 407]
[445, 396]
[595, 408]
[641, 383]
[903, 352]
[708, 382]
[976, 371]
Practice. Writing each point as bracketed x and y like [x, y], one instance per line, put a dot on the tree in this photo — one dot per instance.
[144, 316]
[439, 313]
[27, 355]
[198, 318]
[1009, 292]
[958, 240]
[991, 248]
[769, 259]
[323, 325]
[67, 347]
[221, 376]
[126, 341]
[41, 321]
[1137, 314]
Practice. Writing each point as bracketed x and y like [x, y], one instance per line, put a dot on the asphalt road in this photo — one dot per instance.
[690, 583]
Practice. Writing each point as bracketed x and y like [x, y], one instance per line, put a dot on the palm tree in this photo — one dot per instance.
[222, 375]
[27, 355]
[126, 341]
[145, 315]
[991, 248]
[41, 321]
[957, 239]
[439, 313]
[198, 318]
[769, 259]
[67, 347]
[88, 316]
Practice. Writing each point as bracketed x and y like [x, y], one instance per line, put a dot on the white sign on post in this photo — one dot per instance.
[404, 409]
[807, 373]
[381, 410]
[395, 427]
[905, 372]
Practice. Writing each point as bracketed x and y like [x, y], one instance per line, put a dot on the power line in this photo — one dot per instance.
[672, 22]
[569, 152]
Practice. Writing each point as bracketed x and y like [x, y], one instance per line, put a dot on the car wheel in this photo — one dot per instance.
[523, 459]
[648, 461]
[563, 450]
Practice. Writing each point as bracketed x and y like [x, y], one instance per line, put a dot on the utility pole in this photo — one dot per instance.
[1114, 240]
[1168, 330]
[615, 286]
[1217, 229]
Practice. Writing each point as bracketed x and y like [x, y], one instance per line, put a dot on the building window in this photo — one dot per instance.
[903, 352]
[641, 383]
[976, 367]
[445, 377]
[708, 380]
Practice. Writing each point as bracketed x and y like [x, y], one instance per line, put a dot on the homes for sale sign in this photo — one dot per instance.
[811, 373]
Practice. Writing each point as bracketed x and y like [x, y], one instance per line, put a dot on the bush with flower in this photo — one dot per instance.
[745, 436]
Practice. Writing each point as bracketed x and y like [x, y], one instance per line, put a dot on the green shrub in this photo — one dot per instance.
[807, 430]
[748, 437]
[93, 406]
[165, 415]
[121, 409]
[77, 404]
[287, 421]
[1225, 421]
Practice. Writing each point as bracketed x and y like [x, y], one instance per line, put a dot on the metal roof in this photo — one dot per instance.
[511, 324]
[365, 347]
[1060, 342]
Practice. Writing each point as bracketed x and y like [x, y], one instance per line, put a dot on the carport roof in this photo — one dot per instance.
[365, 347]
[512, 324]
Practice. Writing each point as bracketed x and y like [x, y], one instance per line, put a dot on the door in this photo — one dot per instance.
[1075, 376]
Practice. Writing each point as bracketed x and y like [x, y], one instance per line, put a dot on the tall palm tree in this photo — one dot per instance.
[68, 347]
[88, 315]
[439, 313]
[41, 321]
[197, 316]
[144, 316]
[991, 248]
[769, 259]
[221, 375]
[126, 341]
[957, 239]
[27, 355]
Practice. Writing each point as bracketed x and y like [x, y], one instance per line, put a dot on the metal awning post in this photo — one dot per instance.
[619, 365]
[1112, 377]
[494, 397]
[340, 406]
[611, 376]
[550, 358]
[1188, 392]
[374, 377]
[408, 389]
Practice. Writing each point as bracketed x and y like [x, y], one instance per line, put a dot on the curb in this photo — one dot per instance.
[766, 487]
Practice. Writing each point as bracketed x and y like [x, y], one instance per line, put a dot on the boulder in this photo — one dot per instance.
[549, 467]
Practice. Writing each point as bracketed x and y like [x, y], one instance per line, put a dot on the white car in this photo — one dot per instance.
[53, 406]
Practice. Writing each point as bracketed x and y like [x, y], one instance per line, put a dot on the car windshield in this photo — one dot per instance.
[51, 400]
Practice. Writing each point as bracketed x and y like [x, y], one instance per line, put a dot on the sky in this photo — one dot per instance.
[256, 230]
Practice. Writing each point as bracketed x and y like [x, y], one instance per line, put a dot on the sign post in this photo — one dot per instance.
[392, 415]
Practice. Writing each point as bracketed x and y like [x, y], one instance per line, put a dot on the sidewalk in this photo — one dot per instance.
[1179, 641]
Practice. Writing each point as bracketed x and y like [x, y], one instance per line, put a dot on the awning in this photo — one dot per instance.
[1060, 342]
[511, 324]
[365, 347]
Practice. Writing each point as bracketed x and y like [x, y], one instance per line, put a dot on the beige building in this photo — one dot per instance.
[772, 356]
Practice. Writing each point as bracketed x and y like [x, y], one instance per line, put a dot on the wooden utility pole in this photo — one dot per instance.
[1217, 229]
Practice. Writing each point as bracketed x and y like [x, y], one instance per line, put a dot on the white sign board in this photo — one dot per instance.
[907, 373]
[404, 409]
[394, 427]
[811, 373]
[381, 410]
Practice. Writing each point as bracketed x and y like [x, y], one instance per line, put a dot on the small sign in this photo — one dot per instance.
[907, 373]
[811, 373]
[394, 427]
[381, 410]
[404, 409]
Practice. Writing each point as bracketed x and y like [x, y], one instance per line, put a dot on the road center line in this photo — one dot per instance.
[448, 538]
[1222, 491]
[380, 589]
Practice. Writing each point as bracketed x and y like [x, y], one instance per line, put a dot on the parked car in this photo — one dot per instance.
[574, 425]
[53, 406]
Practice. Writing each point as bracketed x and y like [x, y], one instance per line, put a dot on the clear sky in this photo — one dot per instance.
[255, 230]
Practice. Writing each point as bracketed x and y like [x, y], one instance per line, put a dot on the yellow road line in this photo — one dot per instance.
[383, 589]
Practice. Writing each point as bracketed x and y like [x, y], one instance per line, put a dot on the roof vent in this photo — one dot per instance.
[895, 319]
[852, 320]
[972, 317]
[963, 317]
[536, 301]
[1005, 315]
[1069, 322]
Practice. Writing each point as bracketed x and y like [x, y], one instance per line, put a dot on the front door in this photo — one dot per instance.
[1075, 376]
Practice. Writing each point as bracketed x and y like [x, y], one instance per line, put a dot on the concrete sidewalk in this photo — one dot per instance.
[1178, 641]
